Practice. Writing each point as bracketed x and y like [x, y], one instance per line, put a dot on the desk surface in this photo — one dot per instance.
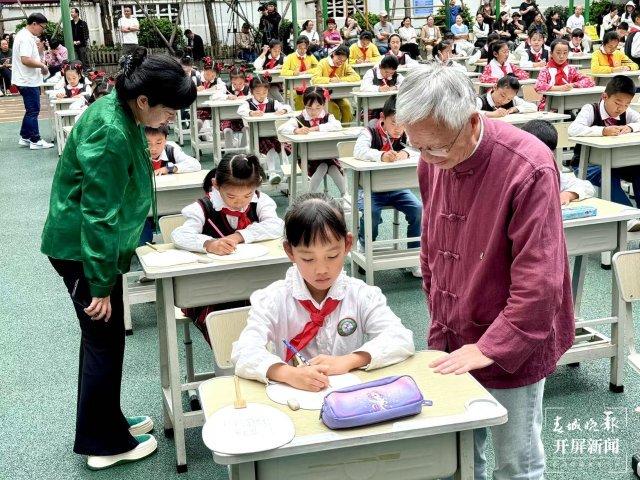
[225, 103]
[580, 57]
[180, 181]
[64, 101]
[269, 117]
[518, 118]
[453, 409]
[344, 134]
[276, 255]
[607, 212]
[361, 94]
[626, 140]
[575, 91]
[629, 73]
[302, 76]
[67, 113]
[330, 85]
[364, 166]
[528, 81]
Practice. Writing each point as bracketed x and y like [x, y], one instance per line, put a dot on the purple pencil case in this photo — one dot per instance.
[372, 402]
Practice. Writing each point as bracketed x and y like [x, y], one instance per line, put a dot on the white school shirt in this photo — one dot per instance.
[244, 108]
[189, 236]
[408, 61]
[524, 56]
[367, 80]
[24, 45]
[635, 45]
[574, 22]
[259, 62]
[583, 125]
[522, 105]
[584, 45]
[570, 183]
[128, 37]
[85, 87]
[276, 314]
[312, 36]
[290, 125]
[363, 150]
[185, 163]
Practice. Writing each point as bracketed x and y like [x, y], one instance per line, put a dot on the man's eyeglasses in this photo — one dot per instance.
[436, 152]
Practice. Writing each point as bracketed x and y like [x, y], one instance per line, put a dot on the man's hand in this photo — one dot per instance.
[467, 358]
[100, 308]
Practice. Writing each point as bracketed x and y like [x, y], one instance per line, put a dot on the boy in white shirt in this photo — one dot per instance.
[384, 77]
[503, 99]
[337, 322]
[166, 156]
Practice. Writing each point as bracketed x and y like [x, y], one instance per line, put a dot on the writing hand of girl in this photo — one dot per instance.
[567, 197]
[220, 246]
[302, 130]
[231, 97]
[256, 113]
[281, 112]
[59, 95]
[467, 358]
[313, 378]
[100, 308]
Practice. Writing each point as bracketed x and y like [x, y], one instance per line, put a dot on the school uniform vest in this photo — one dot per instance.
[245, 90]
[219, 219]
[379, 81]
[377, 141]
[270, 108]
[402, 60]
[599, 122]
[270, 63]
[486, 107]
[307, 123]
[544, 55]
[171, 158]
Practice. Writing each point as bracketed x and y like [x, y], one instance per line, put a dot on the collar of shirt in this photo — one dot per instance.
[603, 112]
[218, 203]
[330, 61]
[603, 52]
[490, 100]
[479, 153]
[163, 156]
[298, 288]
[306, 116]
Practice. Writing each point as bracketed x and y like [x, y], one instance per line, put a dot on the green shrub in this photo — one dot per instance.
[148, 37]
[373, 19]
[564, 12]
[49, 31]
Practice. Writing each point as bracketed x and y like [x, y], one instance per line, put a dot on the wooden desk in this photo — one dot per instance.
[485, 87]
[437, 443]
[584, 61]
[522, 118]
[342, 89]
[575, 98]
[605, 232]
[174, 192]
[314, 146]
[62, 119]
[375, 177]
[196, 143]
[263, 126]
[274, 73]
[193, 285]
[369, 100]
[291, 82]
[602, 79]
[535, 71]
[220, 110]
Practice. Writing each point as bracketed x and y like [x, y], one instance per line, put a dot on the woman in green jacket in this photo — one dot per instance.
[101, 195]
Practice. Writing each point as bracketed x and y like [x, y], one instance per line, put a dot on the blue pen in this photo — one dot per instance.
[296, 353]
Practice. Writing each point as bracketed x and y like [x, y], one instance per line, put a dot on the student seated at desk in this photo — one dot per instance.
[315, 118]
[608, 59]
[232, 211]
[239, 88]
[166, 156]
[499, 65]
[384, 77]
[337, 322]
[190, 70]
[385, 142]
[558, 75]
[577, 45]
[503, 99]
[336, 69]
[443, 55]
[211, 79]
[611, 116]
[258, 106]
[364, 50]
[272, 58]
[533, 53]
[75, 85]
[483, 53]
[572, 188]
[300, 63]
[394, 49]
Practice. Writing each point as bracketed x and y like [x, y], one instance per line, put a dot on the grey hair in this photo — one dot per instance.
[436, 91]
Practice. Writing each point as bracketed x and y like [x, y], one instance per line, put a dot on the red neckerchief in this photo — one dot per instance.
[561, 76]
[310, 329]
[206, 84]
[243, 219]
[73, 91]
[364, 51]
[270, 63]
[156, 164]
[387, 141]
[261, 106]
[314, 122]
[609, 59]
[332, 73]
[239, 93]
[536, 56]
[303, 66]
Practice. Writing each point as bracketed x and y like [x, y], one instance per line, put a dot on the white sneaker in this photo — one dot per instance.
[415, 271]
[633, 225]
[275, 179]
[140, 425]
[40, 145]
[24, 142]
[1, 94]
[146, 447]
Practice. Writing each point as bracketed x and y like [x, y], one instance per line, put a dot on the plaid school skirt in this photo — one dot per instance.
[235, 125]
[267, 143]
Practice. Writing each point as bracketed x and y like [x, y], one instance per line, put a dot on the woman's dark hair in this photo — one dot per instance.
[341, 50]
[331, 20]
[389, 61]
[302, 39]
[504, 13]
[366, 35]
[391, 36]
[495, 47]
[610, 36]
[239, 170]
[314, 217]
[440, 46]
[305, 24]
[274, 43]
[259, 81]
[158, 77]
[314, 94]
[404, 19]
[556, 42]
[509, 81]
[613, 8]
[53, 43]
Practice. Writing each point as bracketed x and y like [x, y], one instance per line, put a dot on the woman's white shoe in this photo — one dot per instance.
[146, 447]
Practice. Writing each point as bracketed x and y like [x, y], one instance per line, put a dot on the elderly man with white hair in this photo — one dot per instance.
[494, 260]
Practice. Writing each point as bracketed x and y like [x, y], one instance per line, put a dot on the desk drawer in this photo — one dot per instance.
[227, 286]
[396, 179]
[422, 458]
[601, 237]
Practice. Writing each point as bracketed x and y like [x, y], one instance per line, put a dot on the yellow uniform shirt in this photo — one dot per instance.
[370, 54]
[326, 70]
[293, 63]
[600, 62]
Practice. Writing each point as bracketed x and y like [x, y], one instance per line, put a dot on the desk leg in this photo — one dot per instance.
[355, 219]
[359, 104]
[368, 234]
[215, 126]
[465, 456]
[577, 282]
[285, 93]
[584, 162]
[618, 334]
[170, 368]
[365, 112]
[193, 125]
[303, 148]
[605, 190]
[293, 181]
[243, 471]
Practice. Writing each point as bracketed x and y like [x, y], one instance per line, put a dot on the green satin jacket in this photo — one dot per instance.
[101, 194]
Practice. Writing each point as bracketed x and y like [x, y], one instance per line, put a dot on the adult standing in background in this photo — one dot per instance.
[101, 194]
[269, 22]
[494, 260]
[382, 31]
[195, 45]
[5, 67]
[129, 28]
[455, 10]
[80, 32]
[528, 10]
[429, 36]
[28, 67]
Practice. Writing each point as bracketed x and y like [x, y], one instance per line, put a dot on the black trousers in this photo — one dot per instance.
[101, 428]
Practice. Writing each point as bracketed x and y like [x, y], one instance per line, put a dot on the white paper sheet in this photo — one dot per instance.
[281, 393]
[244, 251]
[169, 258]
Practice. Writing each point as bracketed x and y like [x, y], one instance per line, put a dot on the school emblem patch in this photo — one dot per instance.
[346, 327]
